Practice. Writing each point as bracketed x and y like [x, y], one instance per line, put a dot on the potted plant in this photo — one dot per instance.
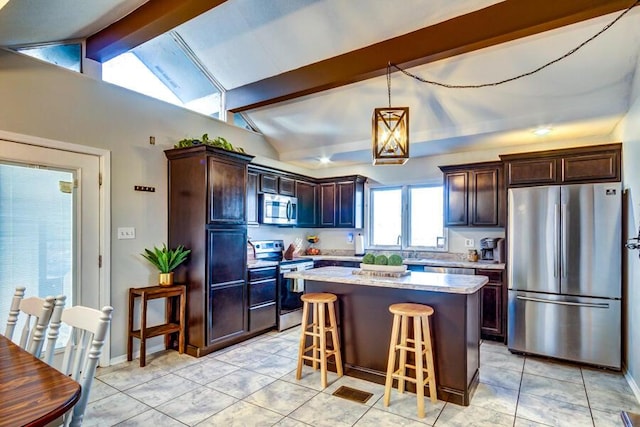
[166, 260]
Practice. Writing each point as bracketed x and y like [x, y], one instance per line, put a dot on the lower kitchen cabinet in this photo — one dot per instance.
[492, 305]
[227, 304]
[263, 283]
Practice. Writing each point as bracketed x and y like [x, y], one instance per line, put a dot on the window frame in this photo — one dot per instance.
[405, 220]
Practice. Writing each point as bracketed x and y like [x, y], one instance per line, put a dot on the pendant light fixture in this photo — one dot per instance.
[390, 132]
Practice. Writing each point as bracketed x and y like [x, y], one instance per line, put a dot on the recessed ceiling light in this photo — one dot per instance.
[3, 3]
[542, 131]
[325, 160]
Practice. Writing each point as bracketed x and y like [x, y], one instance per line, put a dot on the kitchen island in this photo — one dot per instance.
[364, 322]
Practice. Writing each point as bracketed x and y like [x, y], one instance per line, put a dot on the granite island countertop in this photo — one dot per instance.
[416, 261]
[434, 282]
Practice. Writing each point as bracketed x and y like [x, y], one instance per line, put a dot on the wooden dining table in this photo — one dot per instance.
[32, 393]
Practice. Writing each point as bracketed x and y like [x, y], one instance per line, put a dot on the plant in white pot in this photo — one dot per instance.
[166, 260]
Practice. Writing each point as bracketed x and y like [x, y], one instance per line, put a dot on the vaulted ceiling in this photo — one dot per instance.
[308, 73]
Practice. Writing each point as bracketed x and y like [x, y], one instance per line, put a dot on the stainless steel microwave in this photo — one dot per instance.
[281, 210]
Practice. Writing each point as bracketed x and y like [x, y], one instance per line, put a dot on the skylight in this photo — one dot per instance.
[165, 68]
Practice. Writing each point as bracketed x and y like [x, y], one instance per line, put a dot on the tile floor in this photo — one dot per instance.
[253, 384]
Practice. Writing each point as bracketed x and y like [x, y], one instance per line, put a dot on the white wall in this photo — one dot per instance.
[629, 130]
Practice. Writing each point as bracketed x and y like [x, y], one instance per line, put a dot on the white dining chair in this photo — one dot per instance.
[82, 352]
[54, 329]
[38, 314]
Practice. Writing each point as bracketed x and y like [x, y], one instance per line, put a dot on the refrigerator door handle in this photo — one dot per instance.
[556, 234]
[578, 304]
[564, 242]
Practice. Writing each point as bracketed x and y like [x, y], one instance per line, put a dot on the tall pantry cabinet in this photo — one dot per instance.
[207, 214]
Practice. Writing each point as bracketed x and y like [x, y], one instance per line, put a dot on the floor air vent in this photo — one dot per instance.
[352, 394]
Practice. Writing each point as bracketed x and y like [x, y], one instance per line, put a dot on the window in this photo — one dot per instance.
[65, 55]
[406, 217]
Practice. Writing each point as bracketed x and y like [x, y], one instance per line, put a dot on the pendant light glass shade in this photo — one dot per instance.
[390, 136]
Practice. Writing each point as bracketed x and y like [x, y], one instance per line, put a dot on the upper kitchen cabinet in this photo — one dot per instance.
[599, 163]
[474, 195]
[276, 184]
[342, 202]
[227, 190]
[307, 194]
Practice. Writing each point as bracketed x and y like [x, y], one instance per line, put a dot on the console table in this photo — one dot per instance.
[172, 323]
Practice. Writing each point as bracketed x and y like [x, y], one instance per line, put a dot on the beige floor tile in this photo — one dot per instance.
[378, 418]
[112, 410]
[551, 389]
[505, 378]
[242, 414]
[196, 406]
[553, 413]
[326, 410]
[151, 418]
[496, 398]
[472, 416]
[100, 390]
[606, 418]
[552, 369]
[206, 371]
[406, 405]
[501, 360]
[281, 397]
[161, 390]
[241, 383]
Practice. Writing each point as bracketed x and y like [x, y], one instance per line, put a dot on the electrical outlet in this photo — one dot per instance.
[469, 243]
[126, 233]
[350, 238]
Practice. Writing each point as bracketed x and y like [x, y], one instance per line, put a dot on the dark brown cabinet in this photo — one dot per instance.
[327, 204]
[492, 305]
[474, 195]
[252, 198]
[268, 183]
[342, 203]
[276, 184]
[576, 165]
[306, 192]
[262, 298]
[286, 186]
[208, 214]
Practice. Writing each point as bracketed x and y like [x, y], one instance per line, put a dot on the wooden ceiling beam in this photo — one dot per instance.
[499, 23]
[150, 20]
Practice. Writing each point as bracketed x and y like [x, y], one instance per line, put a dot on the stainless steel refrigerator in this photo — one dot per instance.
[564, 270]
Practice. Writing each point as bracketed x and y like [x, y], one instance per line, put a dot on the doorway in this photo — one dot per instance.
[52, 225]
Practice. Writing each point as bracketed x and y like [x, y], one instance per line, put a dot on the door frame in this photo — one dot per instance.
[104, 208]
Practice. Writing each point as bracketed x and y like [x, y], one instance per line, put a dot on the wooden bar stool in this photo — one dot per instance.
[420, 346]
[318, 331]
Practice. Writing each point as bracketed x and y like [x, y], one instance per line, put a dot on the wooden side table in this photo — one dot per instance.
[172, 325]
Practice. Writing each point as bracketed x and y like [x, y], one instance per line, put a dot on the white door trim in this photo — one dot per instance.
[104, 296]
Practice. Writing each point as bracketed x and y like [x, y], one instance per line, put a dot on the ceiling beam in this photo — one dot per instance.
[150, 20]
[500, 23]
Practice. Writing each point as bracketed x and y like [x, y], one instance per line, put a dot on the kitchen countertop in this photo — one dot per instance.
[417, 261]
[417, 280]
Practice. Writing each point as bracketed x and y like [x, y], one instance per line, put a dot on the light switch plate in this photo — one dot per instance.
[469, 243]
[126, 233]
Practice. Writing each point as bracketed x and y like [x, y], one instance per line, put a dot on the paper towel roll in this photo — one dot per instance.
[359, 243]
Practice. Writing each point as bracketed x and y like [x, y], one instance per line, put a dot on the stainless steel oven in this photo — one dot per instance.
[290, 291]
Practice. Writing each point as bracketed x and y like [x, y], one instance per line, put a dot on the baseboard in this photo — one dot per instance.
[136, 354]
[632, 384]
